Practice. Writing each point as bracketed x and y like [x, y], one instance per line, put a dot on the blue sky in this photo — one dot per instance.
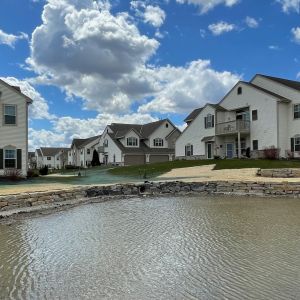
[88, 63]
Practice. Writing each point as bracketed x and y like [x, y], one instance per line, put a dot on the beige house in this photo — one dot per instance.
[13, 129]
[136, 144]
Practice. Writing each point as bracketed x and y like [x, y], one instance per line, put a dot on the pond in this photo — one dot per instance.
[156, 248]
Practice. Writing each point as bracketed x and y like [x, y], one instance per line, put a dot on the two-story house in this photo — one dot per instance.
[13, 129]
[255, 115]
[136, 144]
[81, 152]
[53, 158]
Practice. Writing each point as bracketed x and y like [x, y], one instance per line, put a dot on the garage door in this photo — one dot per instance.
[158, 158]
[130, 160]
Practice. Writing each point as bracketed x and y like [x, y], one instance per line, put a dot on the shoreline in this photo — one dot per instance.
[17, 206]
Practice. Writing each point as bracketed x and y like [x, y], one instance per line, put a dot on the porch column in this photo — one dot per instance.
[239, 144]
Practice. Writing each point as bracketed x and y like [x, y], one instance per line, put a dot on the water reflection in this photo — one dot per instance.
[164, 248]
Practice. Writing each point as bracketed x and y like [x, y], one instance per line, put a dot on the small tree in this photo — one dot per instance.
[95, 160]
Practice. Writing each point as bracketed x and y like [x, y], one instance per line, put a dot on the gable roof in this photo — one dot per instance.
[49, 151]
[193, 114]
[79, 143]
[17, 90]
[290, 83]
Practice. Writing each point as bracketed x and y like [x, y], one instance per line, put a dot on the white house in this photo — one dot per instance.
[135, 144]
[255, 115]
[81, 152]
[54, 158]
[13, 129]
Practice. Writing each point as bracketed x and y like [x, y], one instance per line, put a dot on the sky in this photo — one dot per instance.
[88, 63]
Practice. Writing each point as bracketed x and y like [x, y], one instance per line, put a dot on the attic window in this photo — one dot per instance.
[167, 125]
[239, 90]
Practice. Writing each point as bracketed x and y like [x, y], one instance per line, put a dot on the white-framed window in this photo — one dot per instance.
[10, 114]
[48, 157]
[158, 142]
[297, 111]
[10, 158]
[105, 143]
[132, 141]
[209, 121]
[189, 150]
[295, 143]
[88, 151]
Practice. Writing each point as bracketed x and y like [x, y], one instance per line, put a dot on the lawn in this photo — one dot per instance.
[152, 170]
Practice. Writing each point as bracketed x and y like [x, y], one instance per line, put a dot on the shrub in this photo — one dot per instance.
[217, 156]
[71, 167]
[95, 160]
[32, 173]
[271, 153]
[13, 174]
[44, 170]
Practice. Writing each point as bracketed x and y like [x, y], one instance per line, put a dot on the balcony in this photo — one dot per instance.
[233, 127]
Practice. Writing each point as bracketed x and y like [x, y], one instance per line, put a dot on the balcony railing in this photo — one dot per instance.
[233, 127]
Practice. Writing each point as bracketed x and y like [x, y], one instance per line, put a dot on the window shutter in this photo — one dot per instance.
[185, 150]
[192, 151]
[213, 120]
[292, 144]
[1, 159]
[162, 142]
[205, 122]
[19, 159]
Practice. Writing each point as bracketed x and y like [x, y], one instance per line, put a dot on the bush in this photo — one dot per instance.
[217, 157]
[95, 161]
[71, 167]
[32, 173]
[13, 174]
[44, 170]
[271, 153]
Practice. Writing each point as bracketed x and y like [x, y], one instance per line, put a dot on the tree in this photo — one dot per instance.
[95, 160]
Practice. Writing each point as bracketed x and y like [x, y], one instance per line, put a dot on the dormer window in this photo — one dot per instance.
[158, 142]
[132, 141]
[209, 121]
[239, 90]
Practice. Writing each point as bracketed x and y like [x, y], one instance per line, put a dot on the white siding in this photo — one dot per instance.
[16, 136]
[112, 150]
[161, 132]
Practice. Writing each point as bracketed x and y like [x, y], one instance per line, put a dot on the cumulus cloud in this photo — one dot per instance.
[39, 109]
[296, 34]
[251, 22]
[290, 5]
[11, 39]
[188, 87]
[206, 5]
[221, 27]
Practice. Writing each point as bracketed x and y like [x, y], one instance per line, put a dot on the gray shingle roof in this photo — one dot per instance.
[79, 143]
[290, 83]
[49, 151]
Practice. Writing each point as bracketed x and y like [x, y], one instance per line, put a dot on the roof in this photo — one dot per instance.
[49, 151]
[193, 114]
[39, 152]
[144, 131]
[208, 139]
[17, 90]
[31, 154]
[79, 143]
[290, 83]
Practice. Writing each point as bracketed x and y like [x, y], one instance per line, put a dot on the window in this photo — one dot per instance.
[88, 151]
[48, 158]
[81, 151]
[255, 144]
[158, 142]
[10, 158]
[209, 121]
[10, 114]
[295, 144]
[132, 141]
[297, 111]
[239, 90]
[188, 150]
[105, 143]
[167, 125]
[254, 115]
[69, 153]
[57, 158]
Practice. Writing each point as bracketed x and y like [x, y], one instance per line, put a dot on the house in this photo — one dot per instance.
[81, 152]
[54, 158]
[31, 160]
[13, 129]
[255, 115]
[135, 144]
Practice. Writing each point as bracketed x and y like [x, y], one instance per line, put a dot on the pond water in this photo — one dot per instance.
[156, 248]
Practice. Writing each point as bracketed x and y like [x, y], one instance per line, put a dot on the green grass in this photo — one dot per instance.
[152, 170]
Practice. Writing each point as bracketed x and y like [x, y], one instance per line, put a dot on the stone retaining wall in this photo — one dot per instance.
[279, 173]
[27, 200]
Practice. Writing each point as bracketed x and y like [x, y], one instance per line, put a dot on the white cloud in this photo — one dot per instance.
[206, 5]
[274, 47]
[221, 27]
[296, 34]
[186, 88]
[251, 22]
[290, 5]
[11, 39]
[92, 54]
[39, 109]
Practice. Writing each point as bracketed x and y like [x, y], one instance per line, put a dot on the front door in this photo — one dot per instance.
[209, 151]
[229, 150]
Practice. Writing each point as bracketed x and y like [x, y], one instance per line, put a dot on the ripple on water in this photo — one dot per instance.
[160, 248]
